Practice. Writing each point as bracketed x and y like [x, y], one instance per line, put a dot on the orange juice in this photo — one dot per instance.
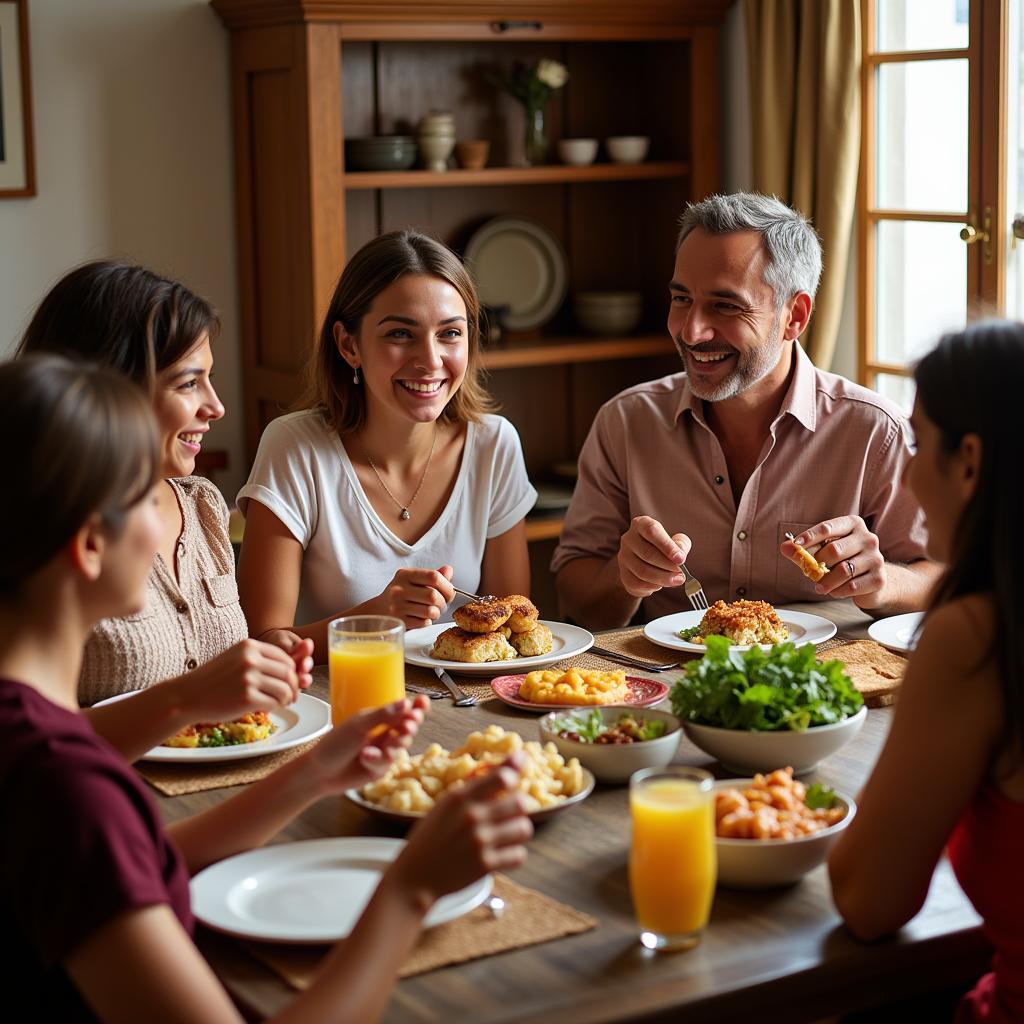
[365, 674]
[672, 858]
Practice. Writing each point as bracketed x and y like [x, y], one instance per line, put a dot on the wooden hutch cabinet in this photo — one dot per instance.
[308, 73]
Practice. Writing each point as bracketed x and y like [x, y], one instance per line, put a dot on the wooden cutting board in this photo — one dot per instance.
[875, 671]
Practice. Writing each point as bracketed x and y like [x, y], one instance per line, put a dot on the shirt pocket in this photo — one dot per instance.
[222, 590]
[790, 583]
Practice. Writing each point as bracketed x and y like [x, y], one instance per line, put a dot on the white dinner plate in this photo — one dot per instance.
[566, 642]
[308, 891]
[297, 723]
[898, 632]
[803, 629]
[520, 265]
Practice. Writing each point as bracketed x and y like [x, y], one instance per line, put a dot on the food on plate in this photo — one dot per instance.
[590, 727]
[414, 783]
[482, 616]
[534, 642]
[524, 613]
[574, 686]
[742, 622]
[250, 728]
[775, 807]
[785, 687]
[456, 644]
[807, 563]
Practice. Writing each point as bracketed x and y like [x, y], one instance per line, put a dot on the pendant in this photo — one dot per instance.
[405, 514]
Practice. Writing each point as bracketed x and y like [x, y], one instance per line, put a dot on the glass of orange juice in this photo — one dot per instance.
[367, 663]
[672, 856]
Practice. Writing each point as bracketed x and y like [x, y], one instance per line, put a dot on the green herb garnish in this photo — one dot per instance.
[785, 687]
[689, 634]
[819, 796]
[587, 725]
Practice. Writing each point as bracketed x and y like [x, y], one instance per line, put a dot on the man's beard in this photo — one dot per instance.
[751, 367]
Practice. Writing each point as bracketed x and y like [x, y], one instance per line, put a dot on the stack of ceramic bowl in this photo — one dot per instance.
[608, 312]
[436, 138]
[380, 153]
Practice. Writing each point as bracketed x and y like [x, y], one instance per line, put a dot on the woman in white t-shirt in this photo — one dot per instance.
[395, 483]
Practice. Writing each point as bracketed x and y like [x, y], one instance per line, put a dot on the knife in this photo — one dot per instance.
[415, 688]
[459, 696]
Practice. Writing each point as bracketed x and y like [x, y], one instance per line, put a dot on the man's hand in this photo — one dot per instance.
[649, 559]
[850, 550]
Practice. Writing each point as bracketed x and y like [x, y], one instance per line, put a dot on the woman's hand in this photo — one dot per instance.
[251, 676]
[301, 651]
[477, 828]
[419, 596]
[362, 748]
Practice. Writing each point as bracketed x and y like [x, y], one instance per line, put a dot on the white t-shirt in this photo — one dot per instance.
[302, 473]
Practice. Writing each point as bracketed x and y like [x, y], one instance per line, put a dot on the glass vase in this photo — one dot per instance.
[535, 140]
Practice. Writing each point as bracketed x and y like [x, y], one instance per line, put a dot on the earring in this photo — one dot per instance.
[355, 374]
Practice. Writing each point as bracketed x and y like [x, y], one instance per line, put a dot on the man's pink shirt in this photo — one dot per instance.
[835, 449]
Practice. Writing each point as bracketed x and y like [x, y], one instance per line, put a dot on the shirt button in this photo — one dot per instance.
[181, 607]
[741, 591]
[719, 480]
[191, 664]
[742, 535]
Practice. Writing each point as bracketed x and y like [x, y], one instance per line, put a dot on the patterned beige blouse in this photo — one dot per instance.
[185, 621]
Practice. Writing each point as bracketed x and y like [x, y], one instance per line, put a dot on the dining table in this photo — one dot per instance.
[772, 955]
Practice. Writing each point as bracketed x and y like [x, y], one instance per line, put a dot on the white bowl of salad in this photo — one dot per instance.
[757, 709]
[614, 741]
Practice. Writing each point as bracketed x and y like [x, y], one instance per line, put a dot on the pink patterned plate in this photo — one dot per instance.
[642, 694]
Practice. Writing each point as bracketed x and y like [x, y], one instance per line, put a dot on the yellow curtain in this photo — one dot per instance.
[805, 111]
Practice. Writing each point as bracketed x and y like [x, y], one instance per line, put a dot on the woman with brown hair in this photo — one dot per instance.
[190, 634]
[94, 896]
[396, 482]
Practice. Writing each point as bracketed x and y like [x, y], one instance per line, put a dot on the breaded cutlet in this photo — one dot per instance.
[482, 616]
[457, 644]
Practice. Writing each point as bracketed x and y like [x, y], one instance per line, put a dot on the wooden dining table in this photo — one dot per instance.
[779, 954]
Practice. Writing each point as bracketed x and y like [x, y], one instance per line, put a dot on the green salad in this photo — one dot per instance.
[785, 687]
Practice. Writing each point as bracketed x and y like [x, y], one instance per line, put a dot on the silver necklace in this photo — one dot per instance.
[403, 509]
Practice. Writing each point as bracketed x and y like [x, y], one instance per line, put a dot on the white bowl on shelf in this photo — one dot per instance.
[767, 863]
[608, 313]
[577, 152]
[747, 750]
[627, 149]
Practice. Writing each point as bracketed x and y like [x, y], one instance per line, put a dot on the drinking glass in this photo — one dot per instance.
[672, 856]
[367, 663]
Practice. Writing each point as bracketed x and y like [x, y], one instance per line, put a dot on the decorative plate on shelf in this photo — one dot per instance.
[520, 265]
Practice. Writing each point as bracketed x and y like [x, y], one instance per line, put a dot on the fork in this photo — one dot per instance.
[475, 597]
[694, 591]
[635, 662]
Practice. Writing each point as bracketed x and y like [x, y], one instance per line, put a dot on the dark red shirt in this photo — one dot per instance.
[81, 842]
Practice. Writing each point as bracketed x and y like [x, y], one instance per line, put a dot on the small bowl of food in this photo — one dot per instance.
[772, 830]
[613, 741]
[756, 709]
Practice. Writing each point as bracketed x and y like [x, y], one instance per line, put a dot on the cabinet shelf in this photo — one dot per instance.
[543, 529]
[554, 175]
[568, 350]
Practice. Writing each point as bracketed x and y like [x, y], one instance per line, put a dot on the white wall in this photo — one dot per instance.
[132, 121]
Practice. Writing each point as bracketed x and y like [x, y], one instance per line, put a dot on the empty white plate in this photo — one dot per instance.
[898, 632]
[310, 891]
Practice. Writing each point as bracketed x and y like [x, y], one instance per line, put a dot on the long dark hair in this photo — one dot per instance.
[376, 265]
[970, 384]
[87, 445]
[120, 315]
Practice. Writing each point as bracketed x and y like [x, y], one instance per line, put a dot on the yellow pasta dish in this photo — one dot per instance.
[415, 783]
[575, 686]
[250, 728]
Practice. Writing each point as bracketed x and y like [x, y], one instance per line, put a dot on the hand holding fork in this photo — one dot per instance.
[650, 559]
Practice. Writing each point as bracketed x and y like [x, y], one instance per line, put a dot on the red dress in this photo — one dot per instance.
[987, 854]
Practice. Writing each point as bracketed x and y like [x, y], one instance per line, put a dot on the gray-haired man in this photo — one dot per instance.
[715, 465]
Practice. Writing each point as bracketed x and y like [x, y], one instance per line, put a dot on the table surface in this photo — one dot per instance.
[781, 954]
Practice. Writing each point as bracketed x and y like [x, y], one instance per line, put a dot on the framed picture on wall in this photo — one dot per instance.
[17, 163]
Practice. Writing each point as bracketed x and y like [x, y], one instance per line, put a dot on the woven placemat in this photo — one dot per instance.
[529, 918]
[178, 779]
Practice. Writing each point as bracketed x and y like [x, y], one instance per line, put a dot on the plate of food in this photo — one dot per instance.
[898, 632]
[745, 624]
[491, 636]
[412, 785]
[252, 735]
[308, 891]
[548, 690]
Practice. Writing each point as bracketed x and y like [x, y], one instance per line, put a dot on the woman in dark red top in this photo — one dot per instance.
[94, 911]
[951, 774]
